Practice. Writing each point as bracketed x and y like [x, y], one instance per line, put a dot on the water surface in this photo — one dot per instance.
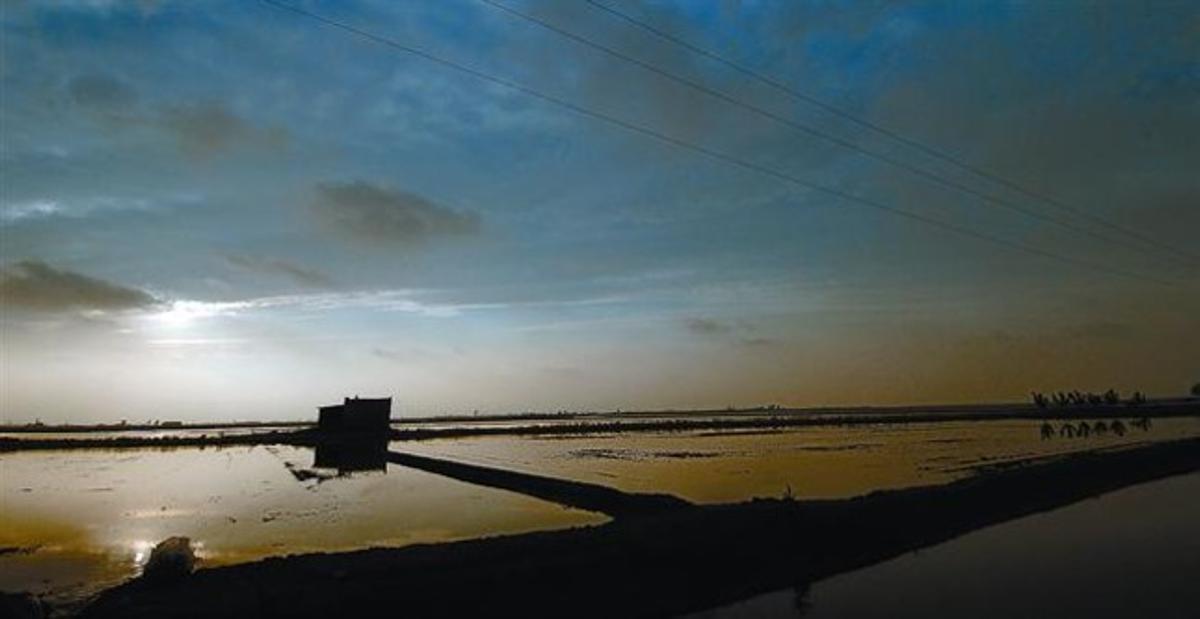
[1131, 553]
[813, 462]
[82, 520]
[73, 522]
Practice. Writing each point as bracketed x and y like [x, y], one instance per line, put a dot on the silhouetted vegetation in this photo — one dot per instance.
[1084, 400]
[1081, 399]
[1078, 403]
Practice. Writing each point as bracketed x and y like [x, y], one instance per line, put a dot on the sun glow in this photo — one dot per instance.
[185, 313]
[141, 551]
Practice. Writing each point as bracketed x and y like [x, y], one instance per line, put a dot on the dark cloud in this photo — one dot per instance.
[706, 326]
[387, 216]
[278, 267]
[101, 93]
[738, 332]
[35, 285]
[200, 129]
[205, 129]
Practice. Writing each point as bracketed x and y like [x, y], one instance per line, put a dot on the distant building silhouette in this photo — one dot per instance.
[356, 416]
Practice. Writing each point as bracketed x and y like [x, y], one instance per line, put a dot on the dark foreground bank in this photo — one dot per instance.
[665, 564]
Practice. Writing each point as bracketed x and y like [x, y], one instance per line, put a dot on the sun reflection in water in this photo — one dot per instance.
[141, 552]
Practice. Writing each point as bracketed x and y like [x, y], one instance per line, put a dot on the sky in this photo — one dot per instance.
[229, 210]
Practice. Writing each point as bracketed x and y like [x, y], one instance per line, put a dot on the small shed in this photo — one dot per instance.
[356, 415]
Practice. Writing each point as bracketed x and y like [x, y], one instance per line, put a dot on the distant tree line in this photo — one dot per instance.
[1078, 399]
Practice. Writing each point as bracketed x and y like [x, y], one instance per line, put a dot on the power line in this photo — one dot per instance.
[713, 154]
[923, 147]
[807, 130]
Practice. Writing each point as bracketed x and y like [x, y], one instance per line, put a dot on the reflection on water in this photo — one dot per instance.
[75, 521]
[82, 520]
[1132, 553]
[819, 462]
[352, 456]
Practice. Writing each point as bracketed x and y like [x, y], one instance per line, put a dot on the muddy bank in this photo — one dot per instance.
[306, 437]
[670, 563]
[581, 495]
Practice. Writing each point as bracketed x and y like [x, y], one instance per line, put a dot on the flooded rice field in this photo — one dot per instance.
[74, 522]
[817, 462]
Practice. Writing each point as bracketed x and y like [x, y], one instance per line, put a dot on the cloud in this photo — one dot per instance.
[43, 208]
[200, 129]
[34, 209]
[706, 326]
[739, 332]
[204, 129]
[143, 7]
[384, 216]
[35, 285]
[102, 93]
[402, 355]
[278, 267]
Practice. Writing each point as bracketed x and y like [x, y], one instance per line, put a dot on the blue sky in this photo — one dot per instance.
[227, 210]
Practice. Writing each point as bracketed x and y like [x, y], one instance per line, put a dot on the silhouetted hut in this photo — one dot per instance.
[356, 416]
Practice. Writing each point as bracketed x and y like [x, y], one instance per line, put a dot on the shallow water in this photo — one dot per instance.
[816, 462]
[83, 520]
[87, 519]
[1131, 553]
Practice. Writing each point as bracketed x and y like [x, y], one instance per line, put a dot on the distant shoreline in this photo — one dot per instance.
[305, 433]
[1153, 407]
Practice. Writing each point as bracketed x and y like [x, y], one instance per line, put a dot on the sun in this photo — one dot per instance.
[181, 314]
